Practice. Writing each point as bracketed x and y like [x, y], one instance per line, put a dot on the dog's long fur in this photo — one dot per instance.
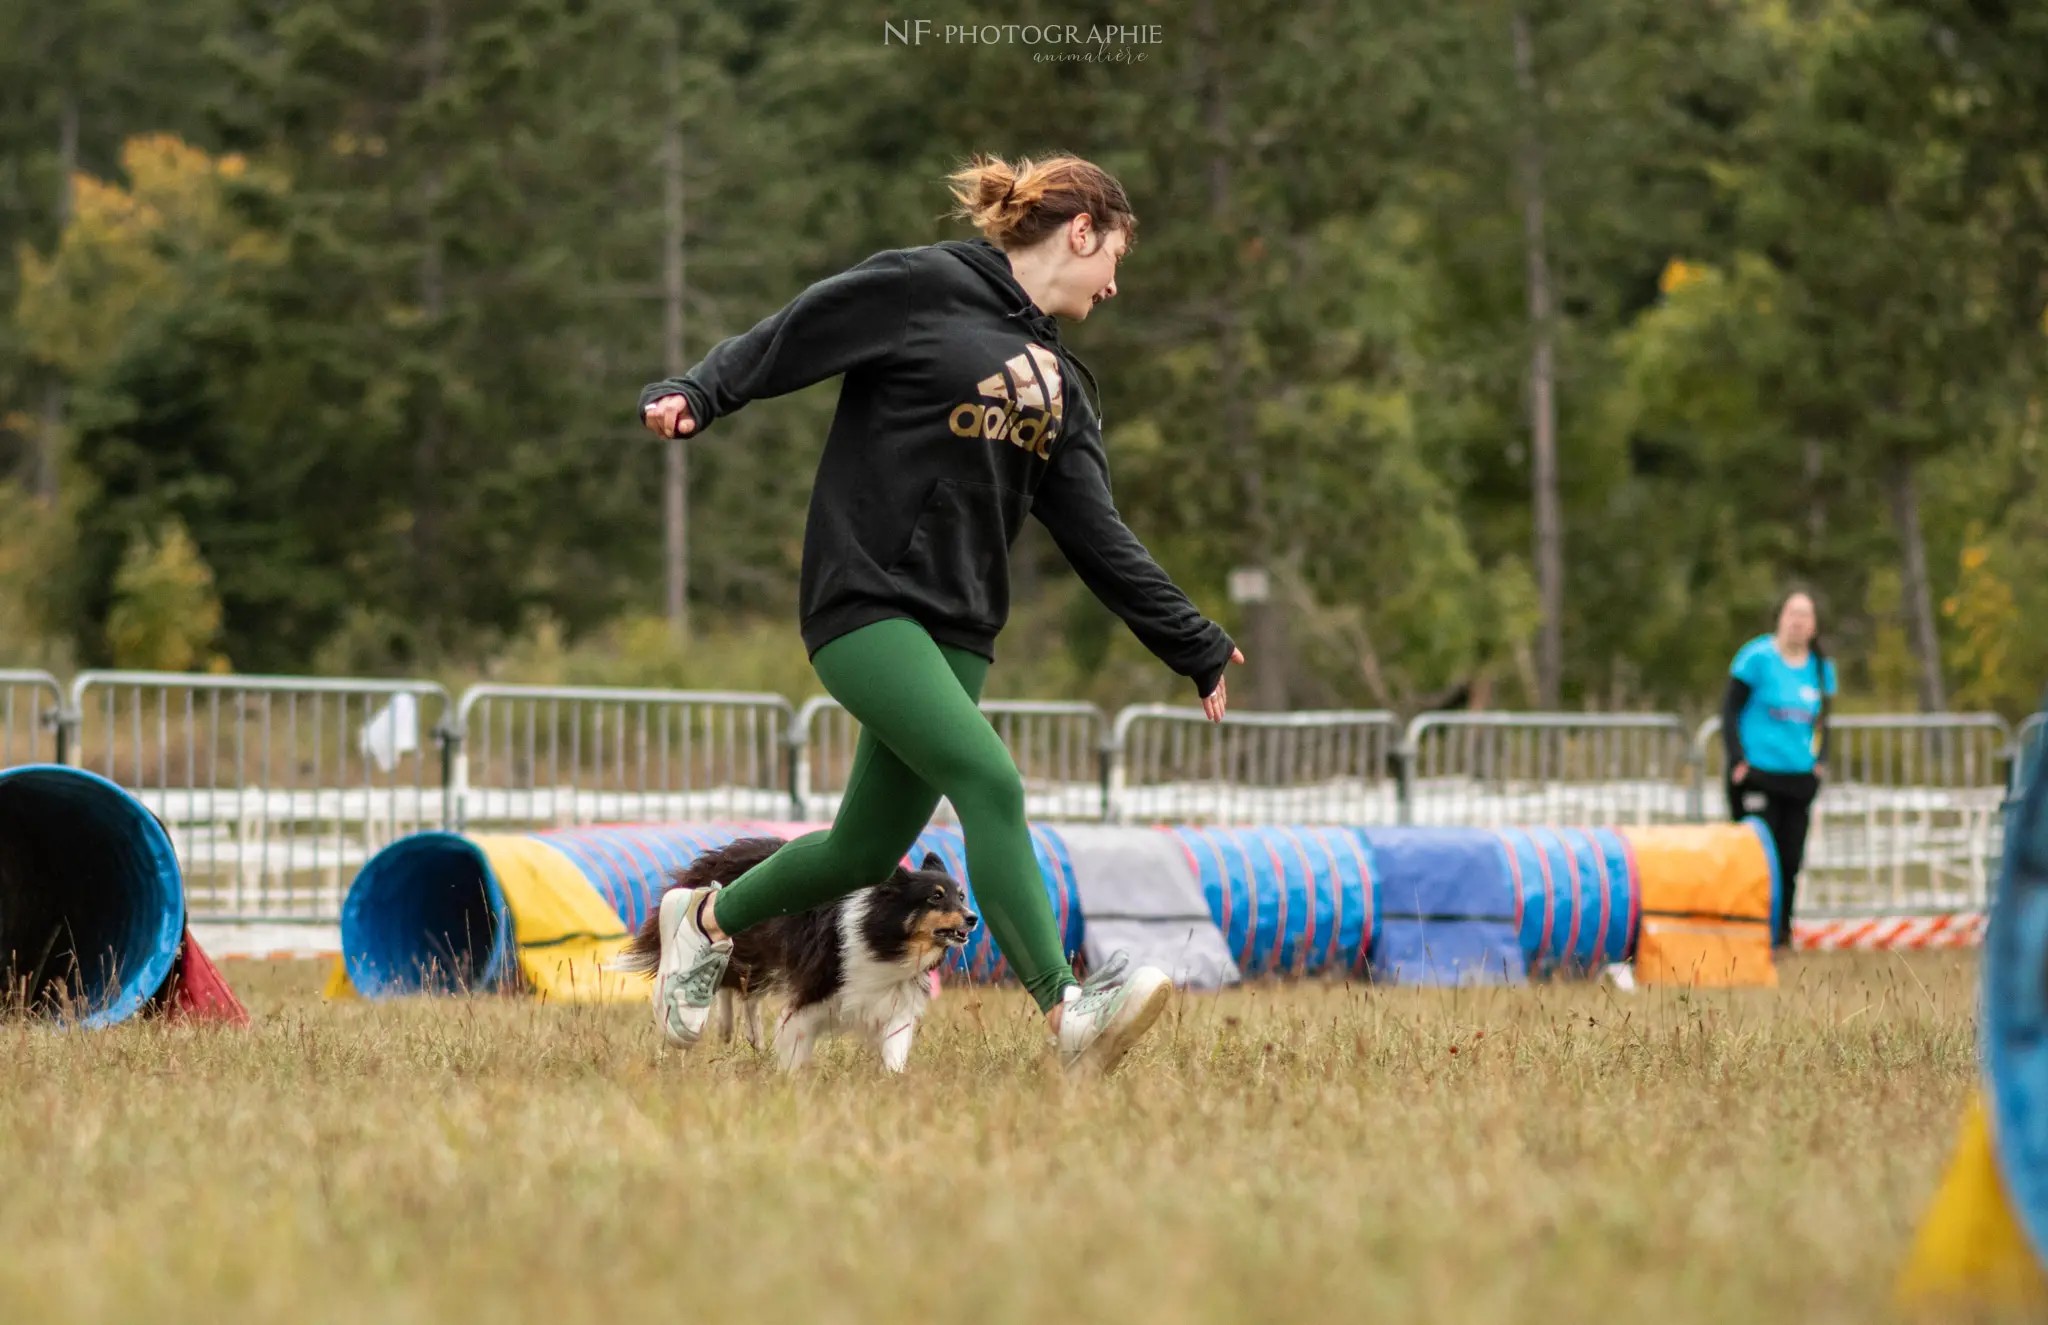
[857, 966]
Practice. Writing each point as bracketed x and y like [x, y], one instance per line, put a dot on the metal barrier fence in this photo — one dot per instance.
[1060, 749]
[31, 719]
[1172, 763]
[1496, 769]
[1908, 817]
[274, 789]
[525, 757]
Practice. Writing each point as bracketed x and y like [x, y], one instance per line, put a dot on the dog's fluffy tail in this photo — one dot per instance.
[642, 953]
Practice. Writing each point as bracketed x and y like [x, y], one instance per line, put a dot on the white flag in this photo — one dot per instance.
[393, 733]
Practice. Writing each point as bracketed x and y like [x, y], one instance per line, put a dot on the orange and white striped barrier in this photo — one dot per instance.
[1958, 929]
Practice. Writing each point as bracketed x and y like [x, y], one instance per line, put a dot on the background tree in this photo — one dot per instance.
[1779, 264]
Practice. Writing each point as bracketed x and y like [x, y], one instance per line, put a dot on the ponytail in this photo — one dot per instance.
[1016, 204]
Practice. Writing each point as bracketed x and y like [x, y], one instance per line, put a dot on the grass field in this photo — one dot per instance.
[1280, 1153]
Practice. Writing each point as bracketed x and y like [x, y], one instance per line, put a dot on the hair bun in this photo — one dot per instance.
[1015, 204]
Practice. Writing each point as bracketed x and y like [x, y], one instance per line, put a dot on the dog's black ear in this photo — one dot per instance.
[932, 863]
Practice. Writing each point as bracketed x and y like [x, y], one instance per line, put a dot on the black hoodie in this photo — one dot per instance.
[955, 420]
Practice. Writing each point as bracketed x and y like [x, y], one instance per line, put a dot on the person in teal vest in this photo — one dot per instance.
[1774, 732]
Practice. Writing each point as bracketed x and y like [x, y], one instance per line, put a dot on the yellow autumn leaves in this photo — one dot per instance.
[120, 255]
[1985, 613]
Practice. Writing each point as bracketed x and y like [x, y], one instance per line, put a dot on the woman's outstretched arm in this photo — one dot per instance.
[838, 324]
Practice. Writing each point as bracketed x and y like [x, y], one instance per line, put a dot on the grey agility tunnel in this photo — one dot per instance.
[92, 905]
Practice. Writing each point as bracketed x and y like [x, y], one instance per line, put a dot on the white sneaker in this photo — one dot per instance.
[1109, 1014]
[686, 982]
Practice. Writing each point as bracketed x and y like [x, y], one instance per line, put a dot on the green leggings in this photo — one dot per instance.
[921, 736]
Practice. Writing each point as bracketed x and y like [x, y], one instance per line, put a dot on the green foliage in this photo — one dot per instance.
[359, 295]
[33, 537]
[165, 615]
[760, 656]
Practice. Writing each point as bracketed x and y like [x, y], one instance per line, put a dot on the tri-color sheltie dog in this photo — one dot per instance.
[858, 966]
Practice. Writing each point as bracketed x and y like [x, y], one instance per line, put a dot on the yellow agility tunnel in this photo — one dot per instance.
[441, 912]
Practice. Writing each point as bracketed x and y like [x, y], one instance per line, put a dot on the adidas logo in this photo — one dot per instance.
[1029, 404]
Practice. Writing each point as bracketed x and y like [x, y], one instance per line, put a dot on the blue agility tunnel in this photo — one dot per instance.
[1770, 845]
[1578, 900]
[1447, 907]
[92, 906]
[426, 915]
[2015, 1011]
[630, 866]
[1625, 892]
[1290, 901]
[1540, 895]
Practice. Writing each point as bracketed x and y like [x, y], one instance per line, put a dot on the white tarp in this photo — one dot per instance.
[1140, 894]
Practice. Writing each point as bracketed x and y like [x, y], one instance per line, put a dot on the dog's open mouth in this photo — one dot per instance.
[951, 937]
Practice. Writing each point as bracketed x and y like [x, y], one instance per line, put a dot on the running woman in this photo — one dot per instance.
[1774, 733]
[959, 415]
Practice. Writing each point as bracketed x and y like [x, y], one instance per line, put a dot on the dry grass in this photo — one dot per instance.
[1283, 1153]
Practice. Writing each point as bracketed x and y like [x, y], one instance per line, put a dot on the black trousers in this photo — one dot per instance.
[1784, 801]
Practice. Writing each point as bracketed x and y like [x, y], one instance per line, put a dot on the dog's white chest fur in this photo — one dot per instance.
[877, 1001]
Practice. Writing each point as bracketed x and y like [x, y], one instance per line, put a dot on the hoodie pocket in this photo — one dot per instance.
[957, 564]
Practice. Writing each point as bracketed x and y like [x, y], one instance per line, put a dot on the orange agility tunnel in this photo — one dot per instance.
[1709, 894]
